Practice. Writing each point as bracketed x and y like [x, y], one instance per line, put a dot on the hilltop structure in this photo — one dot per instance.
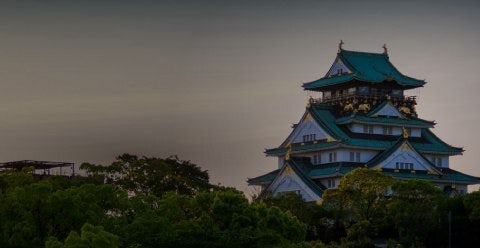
[362, 119]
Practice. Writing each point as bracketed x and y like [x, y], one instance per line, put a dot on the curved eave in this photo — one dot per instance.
[353, 120]
[332, 81]
[399, 78]
[264, 179]
[299, 149]
[359, 144]
[430, 135]
[447, 177]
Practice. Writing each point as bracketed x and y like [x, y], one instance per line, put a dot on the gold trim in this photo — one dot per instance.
[405, 133]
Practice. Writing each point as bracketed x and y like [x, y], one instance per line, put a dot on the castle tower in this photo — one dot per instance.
[362, 119]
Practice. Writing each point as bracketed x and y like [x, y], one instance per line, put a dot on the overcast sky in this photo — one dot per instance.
[215, 82]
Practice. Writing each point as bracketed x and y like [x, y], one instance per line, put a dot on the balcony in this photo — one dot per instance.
[364, 97]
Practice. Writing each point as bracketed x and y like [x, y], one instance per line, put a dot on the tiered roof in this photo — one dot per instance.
[335, 115]
[323, 114]
[339, 169]
[373, 68]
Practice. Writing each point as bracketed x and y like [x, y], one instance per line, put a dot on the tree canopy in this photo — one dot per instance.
[153, 202]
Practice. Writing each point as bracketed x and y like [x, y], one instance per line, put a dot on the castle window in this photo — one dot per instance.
[339, 71]
[332, 157]
[437, 161]
[404, 166]
[331, 183]
[387, 130]
[354, 157]
[368, 129]
[308, 137]
[317, 158]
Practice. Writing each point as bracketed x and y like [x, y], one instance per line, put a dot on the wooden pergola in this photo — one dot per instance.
[65, 168]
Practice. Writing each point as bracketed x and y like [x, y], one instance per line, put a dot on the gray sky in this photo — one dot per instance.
[215, 82]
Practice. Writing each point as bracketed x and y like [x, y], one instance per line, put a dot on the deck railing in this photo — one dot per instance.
[352, 96]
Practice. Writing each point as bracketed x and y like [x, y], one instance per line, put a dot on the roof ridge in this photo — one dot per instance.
[369, 53]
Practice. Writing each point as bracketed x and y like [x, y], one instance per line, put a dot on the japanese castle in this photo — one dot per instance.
[362, 119]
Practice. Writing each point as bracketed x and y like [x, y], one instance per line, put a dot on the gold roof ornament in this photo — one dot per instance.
[309, 102]
[405, 133]
[287, 155]
[340, 48]
[385, 50]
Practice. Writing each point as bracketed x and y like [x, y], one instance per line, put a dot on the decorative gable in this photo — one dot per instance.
[386, 110]
[307, 130]
[289, 181]
[338, 68]
[403, 156]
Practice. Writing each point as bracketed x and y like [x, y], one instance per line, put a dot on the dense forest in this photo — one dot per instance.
[155, 202]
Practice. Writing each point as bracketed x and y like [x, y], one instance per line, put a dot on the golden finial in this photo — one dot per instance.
[309, 102]
[340, 48]
[405, 133]
[385, 50]
[287, 155]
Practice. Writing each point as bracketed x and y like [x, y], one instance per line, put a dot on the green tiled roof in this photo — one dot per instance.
[306, 179]
[368, 67]
[263, 179]
[322, 114]
[379, 107]
[449, 175]
[410, 122]
[385, 154]
[330, 170]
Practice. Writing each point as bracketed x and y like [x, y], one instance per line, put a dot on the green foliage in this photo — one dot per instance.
[152, 175]
[359, 204]
[222, 218]
[174, 205]
[413, 209]
[90, 237]
[313, 215]
[472, 203]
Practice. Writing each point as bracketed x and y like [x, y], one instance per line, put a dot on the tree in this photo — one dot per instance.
[413, 209]
[152, 175]
[361, 199]
[312, 214]
[472, 203]
[90, 237]
[221, 218]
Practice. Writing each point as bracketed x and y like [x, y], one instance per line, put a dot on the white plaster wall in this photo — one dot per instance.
[307, 127]
[388, 110]
[324, 182]
[406, 156]
[343, 155]
[336, 66]
[445, 159]
[281, 161]
[356, 128]
[378, 129]
[416, 132]
[291, 182]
